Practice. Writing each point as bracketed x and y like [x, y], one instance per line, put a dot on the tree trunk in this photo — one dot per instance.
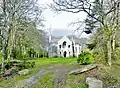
[109, 51]
[113, 42]
[3, 53]
[3, 36]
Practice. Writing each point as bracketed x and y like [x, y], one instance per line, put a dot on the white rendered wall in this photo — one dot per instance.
[66, 48]
[69, 50]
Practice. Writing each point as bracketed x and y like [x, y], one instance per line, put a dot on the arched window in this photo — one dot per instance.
[60, 46]
[68, 46]
[64, 44]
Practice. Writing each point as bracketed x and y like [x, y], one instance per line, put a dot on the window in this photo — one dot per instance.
[64, 44]
[68, 46]
[59, 46]
[60, 53]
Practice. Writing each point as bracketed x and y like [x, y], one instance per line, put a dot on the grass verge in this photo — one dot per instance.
[40, 63]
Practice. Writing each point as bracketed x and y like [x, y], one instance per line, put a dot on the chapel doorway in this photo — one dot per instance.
[65, 54]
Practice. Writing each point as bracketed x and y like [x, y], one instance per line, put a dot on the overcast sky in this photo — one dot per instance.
[59, 22]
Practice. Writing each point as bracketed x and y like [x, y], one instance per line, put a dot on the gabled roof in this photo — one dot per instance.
[71, 38]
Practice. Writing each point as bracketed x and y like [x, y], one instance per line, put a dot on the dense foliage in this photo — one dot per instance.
[85, 58]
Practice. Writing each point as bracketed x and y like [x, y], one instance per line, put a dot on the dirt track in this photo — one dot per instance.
[60, 73]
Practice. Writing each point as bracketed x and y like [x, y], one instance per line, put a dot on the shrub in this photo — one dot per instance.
[83, 86]
[55, 56]
[32, 64]
[80, 86]
[85, 58]
[21, 66]
[26, 65]
[100, 57]
[109, 79]
[8, 65]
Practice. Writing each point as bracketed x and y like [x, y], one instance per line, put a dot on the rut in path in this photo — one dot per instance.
[60, 79]
[33, 80]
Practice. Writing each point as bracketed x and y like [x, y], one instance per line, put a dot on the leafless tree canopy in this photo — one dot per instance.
[76, 6]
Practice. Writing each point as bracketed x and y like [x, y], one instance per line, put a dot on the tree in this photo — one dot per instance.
[16, 18]
[105, 10]
[90, 23]
[3, 31]
[20, 16]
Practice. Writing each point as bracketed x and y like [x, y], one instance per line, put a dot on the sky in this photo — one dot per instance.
[59, 23]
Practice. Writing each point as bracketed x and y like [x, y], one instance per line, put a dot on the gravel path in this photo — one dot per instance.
[60, 72]
[60, 79]
[33, 80]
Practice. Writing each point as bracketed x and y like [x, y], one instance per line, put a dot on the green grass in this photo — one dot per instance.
[46, 82]
[72, 81]
[40, 63]
[47, 61]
